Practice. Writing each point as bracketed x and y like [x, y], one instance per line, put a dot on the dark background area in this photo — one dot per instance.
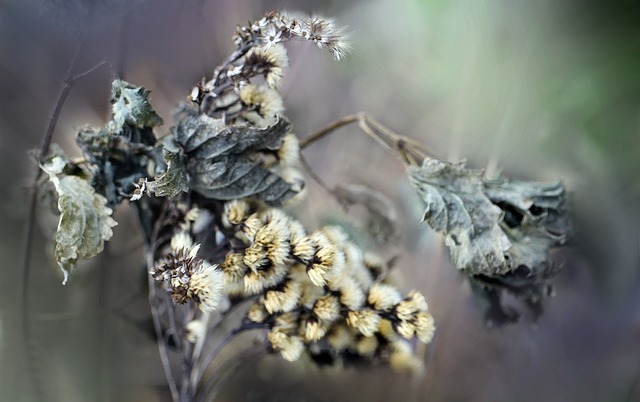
[537, 90]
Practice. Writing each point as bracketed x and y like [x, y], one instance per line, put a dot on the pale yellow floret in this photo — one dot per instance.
[207, 286]
[340, 337]
[287, 322]
[289, 152]
[314, 330]
[257, 313]
[367, 346]
[266, 102]
[195, 330]
[302, 248]
[327, 308]
[405, 329]
[283, 301]
[233, 268]
[351, 296]
[365, 321]
[383, 297]
[402, 359]
[235, 212]
[290, 347]
[425, 327]
[385, 328]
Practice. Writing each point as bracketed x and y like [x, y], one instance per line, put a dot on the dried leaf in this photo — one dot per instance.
[174, 180]
[130, 105]
[85, 220]
[383, 218]
[492, 227]
[458, 208]
[228, 162]
[535, 219]
[120, 153]
[499, 232]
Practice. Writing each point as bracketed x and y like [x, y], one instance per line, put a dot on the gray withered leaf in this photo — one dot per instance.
[535, 220]
[120, 152]
[174, 180]
[458, 208]
[130, 105]
[85, 220]
[228, 162]
[522, 220]
[382, 217]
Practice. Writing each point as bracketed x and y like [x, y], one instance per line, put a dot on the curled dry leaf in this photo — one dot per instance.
[491, 227]
[499, 232]
[535, 219]
[85, 221]
[119, 153]
[458, 208]
[229, 162]
[174, 180]
[130, 105]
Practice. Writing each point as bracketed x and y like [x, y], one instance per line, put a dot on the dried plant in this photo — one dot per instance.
[210, 198]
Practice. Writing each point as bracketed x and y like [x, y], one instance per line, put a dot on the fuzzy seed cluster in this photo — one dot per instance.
[317, 292]
[187, 277]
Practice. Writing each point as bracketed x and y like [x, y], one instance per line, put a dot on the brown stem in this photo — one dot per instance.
[157, 326]
[408, 151]
[313, 137]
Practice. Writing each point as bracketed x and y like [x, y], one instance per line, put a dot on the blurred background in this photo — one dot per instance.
[541, 90]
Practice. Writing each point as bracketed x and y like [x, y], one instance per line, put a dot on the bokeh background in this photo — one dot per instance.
[540, 90]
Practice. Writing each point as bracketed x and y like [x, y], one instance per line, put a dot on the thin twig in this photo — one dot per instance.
[88, 71]
[65, 87]
[172, 321]
[153, 302]
[408, 151]
[187, 391]
[162, 346]
[315, 136]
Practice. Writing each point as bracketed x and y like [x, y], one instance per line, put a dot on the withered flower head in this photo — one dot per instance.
[365, 321]
[187, 277]
[383, 297]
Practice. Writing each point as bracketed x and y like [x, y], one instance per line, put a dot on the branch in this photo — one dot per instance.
[23, 288]
[162, 346]
[315, 136]
[403, 148]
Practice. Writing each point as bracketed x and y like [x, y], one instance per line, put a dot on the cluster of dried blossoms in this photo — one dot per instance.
[316, 292]
[231, 94]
